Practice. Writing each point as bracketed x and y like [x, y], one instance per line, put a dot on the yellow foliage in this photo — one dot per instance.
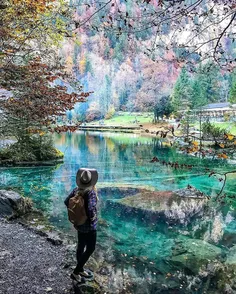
[230, 137]
[82, 64]
[78, 42]
[194, 149]
[195, 143]
[24, 21]
[222, 145]
[69, 64]
[110, 145]
[36, 7]
[166, 144]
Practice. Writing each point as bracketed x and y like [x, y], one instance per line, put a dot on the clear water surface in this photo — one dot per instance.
[123, 160]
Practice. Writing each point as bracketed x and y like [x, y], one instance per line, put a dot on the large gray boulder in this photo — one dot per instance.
[13, 204]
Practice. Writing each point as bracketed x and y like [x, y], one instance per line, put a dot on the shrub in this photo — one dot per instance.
[110, 113]
[227, 117]
[37, 148]
[210, 131]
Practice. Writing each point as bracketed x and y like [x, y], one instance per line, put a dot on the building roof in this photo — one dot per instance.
[217, 105]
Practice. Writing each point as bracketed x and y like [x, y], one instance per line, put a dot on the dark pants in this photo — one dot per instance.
[86, 246]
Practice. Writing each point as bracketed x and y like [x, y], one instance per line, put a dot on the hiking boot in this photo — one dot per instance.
[86, 274]
[77, 278]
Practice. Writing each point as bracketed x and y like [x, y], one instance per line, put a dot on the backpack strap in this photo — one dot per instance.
[86, 202]
[72, 194]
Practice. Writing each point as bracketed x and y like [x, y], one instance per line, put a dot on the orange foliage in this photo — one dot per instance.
[222, 155]
[38, 102]
[33, 7]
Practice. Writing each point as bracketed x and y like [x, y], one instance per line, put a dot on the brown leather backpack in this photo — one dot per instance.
[76, 210]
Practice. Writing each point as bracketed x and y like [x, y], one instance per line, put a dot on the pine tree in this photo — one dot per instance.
[182, 90]
[197, 97]
[232, 94]
[209, 81]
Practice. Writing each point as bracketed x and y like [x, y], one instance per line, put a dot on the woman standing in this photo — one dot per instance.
[86, 180]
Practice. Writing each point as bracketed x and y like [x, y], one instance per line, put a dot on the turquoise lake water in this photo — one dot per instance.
[123, 160]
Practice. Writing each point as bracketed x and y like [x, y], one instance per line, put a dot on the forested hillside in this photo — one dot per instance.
[116, 59]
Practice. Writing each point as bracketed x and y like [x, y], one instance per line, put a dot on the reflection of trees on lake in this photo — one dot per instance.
[126, 158]
[108, 154]
[119, 158]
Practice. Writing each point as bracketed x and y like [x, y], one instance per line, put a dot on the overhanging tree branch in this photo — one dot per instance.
[221, 35]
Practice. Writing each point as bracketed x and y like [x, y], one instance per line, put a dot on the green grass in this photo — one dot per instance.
[227, 125]
[127, 118]
[230, 126]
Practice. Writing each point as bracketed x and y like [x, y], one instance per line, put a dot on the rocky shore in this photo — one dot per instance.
[34, 259]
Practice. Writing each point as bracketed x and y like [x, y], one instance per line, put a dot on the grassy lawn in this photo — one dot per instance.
[230, 126]
[127, 118]
[227, 125]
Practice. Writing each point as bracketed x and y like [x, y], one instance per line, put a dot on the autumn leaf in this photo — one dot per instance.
[222, 155]
[195, 143]
[230, 137]
[222, 145]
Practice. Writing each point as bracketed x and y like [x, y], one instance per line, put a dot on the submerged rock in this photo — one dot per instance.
[231, 257]
[229, 236]
[120, 191]
[190, 192]
[173, 207]
[13, 204]
[193, 254]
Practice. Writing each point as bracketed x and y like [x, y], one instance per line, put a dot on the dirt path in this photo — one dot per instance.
[29, 263]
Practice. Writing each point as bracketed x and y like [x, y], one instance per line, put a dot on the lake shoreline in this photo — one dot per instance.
[140, 129]
[40, 258]
[10, 163]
